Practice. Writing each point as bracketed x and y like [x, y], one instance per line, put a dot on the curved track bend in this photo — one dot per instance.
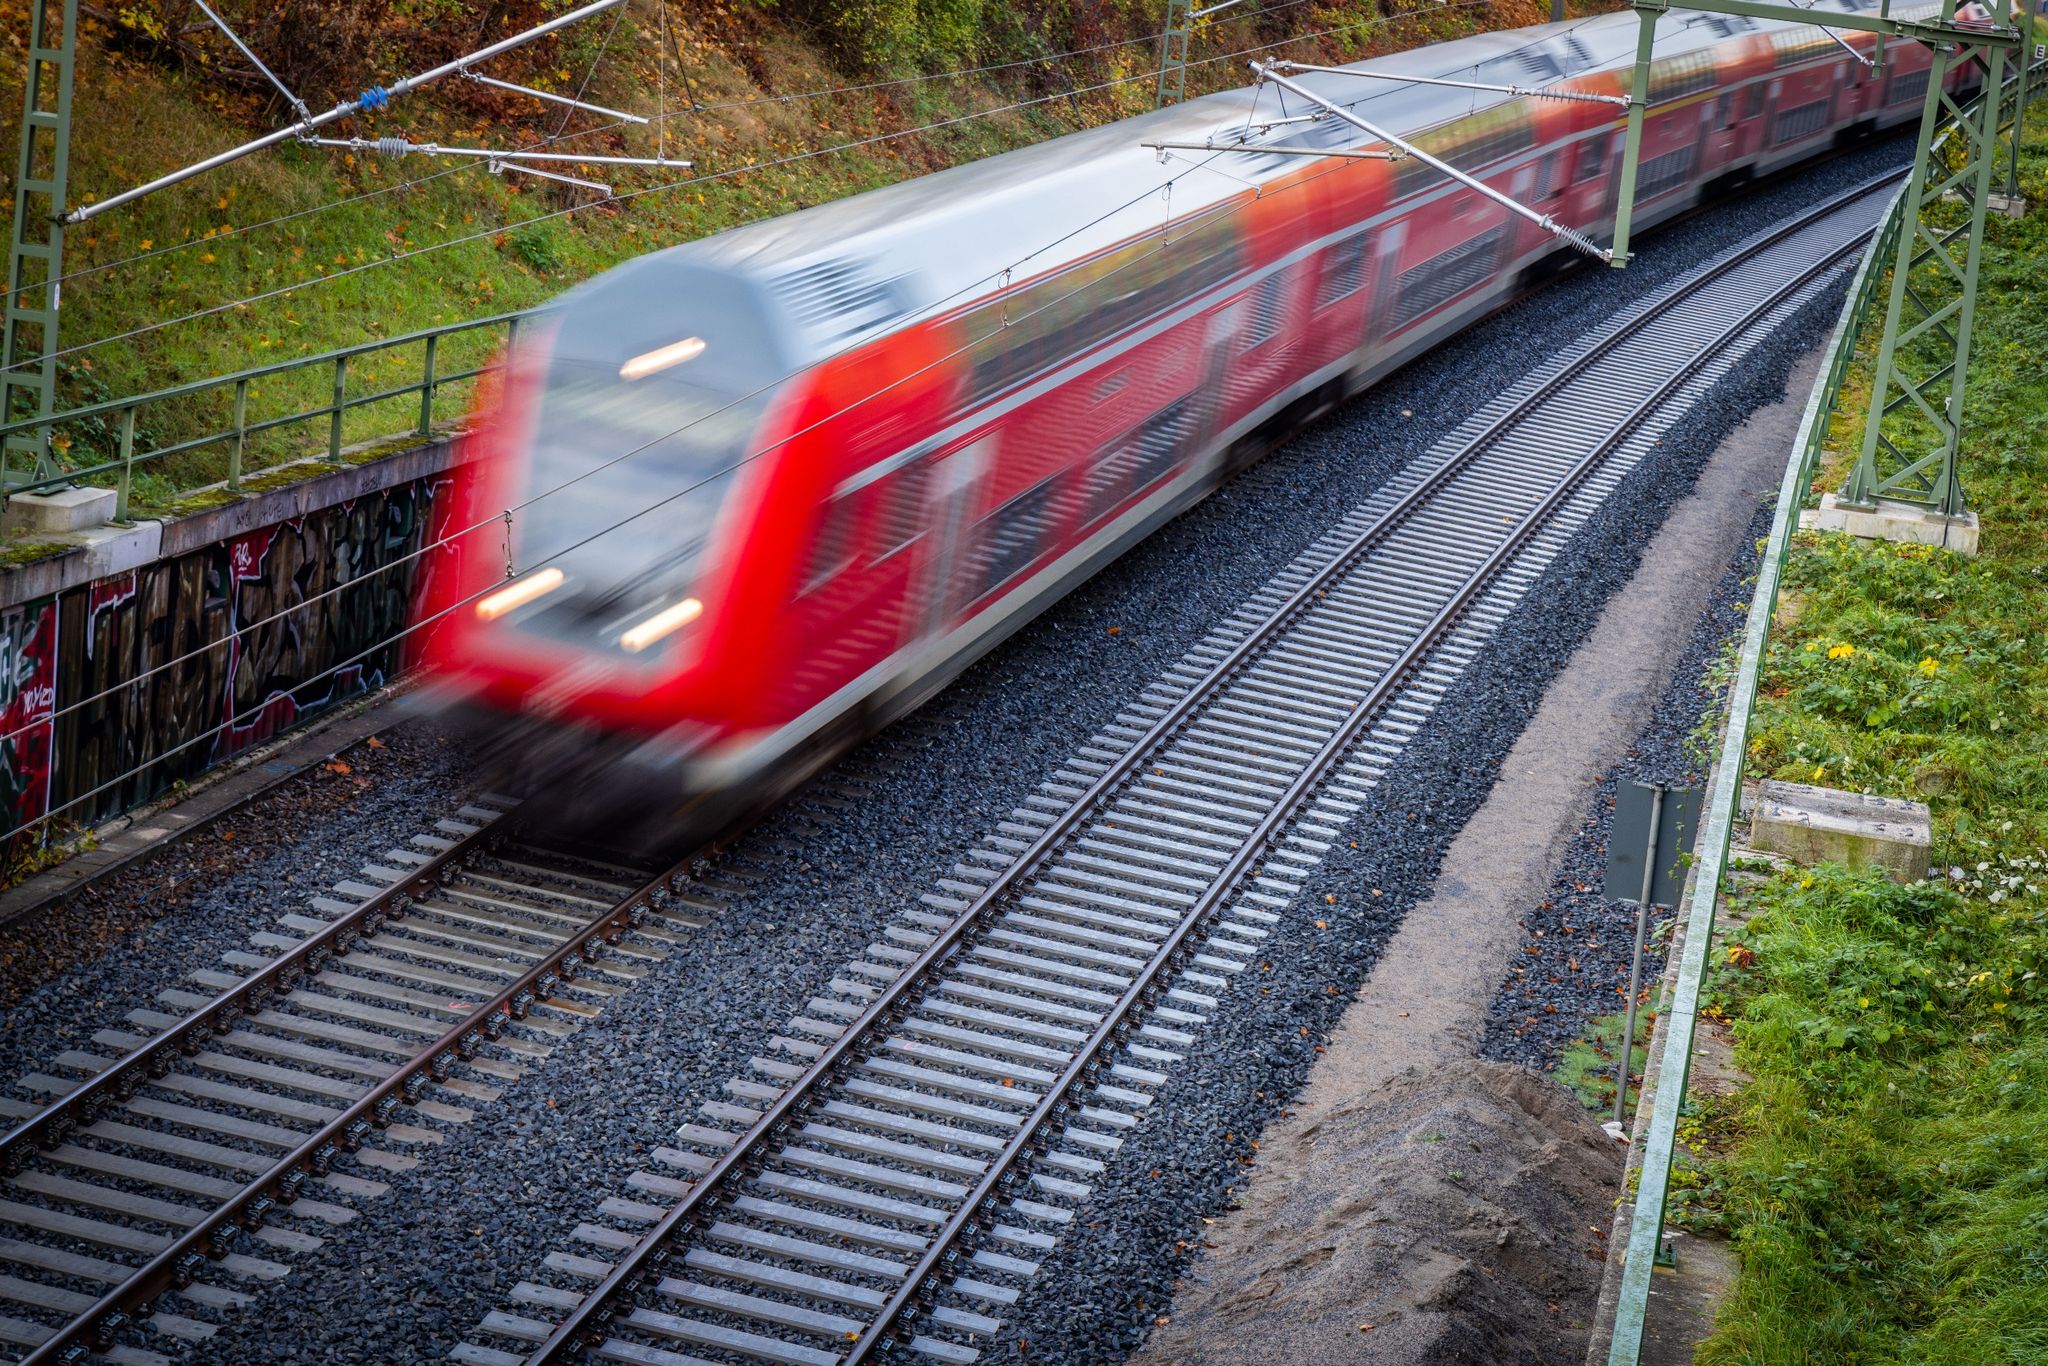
[207, 1137]
[885, 1184]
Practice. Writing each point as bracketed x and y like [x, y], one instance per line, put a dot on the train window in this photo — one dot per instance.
[1012, 536]
[1266, 312]
[1137, 459]
[1753, 102]
[1343, 271]
[1799, 122]
[1689, 73]
[1549, 176]
[1469, 143]
[1592, 158]
[1107, 482]
[1060, 316]
[1160, 441]
[1724, 110]
[1794, 45]
[1443, 277]
[832, 551]
[1666, 172]
[901, 514]
[1905, 86]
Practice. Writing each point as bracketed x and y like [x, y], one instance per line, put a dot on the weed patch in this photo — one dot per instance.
[1887, 1185]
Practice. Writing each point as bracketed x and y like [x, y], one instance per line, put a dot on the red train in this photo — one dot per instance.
[772, 488]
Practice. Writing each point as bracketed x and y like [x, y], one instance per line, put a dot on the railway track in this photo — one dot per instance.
[171, 1168]
[922, 1136]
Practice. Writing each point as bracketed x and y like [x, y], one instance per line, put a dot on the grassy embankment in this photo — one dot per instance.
[1885, 1173]
[468, 244]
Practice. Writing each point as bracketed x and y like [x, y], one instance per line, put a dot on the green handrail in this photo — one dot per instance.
[1710, 853]
[125, 413]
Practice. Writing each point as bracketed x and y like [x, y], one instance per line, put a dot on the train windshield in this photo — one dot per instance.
[654, 388]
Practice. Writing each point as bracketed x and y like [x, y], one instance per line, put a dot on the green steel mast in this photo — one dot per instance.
[1915, 419]
[35, 259]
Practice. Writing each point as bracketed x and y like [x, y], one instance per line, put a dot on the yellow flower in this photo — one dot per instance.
[1863, 1002]
[1930, 666]
[1842, 651]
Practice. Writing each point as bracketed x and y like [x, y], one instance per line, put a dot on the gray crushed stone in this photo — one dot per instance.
[413, 1277]
[79, 968]
[1532, 1019]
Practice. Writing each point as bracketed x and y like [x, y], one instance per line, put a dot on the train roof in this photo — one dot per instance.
[840, 271]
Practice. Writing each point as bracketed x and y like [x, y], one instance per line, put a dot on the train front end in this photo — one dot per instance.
[593, 588]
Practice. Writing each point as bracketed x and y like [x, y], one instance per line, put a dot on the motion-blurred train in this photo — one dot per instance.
[771, 489]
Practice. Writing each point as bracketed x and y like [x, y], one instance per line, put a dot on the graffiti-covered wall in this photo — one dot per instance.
[114, 690]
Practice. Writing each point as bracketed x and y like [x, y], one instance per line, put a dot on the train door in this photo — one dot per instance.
[953, 487]
[1385, 277]
[1219, 348]
[1722, 133]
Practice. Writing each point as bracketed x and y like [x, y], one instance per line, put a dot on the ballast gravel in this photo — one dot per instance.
[1100, 1295]
[1533, 1019]
[72, 970]
[824, 875]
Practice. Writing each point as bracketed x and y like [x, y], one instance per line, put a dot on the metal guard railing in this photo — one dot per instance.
[121, 415]
[1710, 852]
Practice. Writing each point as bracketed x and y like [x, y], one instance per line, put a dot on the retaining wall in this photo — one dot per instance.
[100, 615]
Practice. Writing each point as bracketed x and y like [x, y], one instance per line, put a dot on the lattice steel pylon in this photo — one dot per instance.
[35, 260]
[1173, 53]
[1914, 425]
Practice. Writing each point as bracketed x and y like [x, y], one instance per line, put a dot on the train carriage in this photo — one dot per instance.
[771, 488]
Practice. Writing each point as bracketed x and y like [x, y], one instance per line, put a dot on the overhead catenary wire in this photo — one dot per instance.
[293, 100]
[500, 519]
[768, 164]
[376, 97]
[504, 518]
[560, 136]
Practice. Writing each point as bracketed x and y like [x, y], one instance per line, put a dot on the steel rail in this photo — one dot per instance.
[1656, 1136]
[212, 1238]
[82, 1105]
[594, 1311]
[918, 1288]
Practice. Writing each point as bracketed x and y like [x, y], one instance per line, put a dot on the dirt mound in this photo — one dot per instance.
[1457, 1211]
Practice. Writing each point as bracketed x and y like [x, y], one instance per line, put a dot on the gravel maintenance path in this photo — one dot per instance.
[1280, 1278]
[821, 877]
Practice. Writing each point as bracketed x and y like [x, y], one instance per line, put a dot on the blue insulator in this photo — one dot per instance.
[376, 97]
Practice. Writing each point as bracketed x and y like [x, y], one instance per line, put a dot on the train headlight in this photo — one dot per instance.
[666, 622]
[518, 594]
[662, 357]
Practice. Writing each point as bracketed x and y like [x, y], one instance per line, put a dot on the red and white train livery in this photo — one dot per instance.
[771, 488]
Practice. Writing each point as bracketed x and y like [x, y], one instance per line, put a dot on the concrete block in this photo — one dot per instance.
[73, 509]
[1897, 522]
[2011, 205]
[117, 549]
[1821, 825]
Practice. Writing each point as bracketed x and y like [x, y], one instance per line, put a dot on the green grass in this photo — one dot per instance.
[469, 244]
[1886, 1168]
[1586, 1068]
[15, 553]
